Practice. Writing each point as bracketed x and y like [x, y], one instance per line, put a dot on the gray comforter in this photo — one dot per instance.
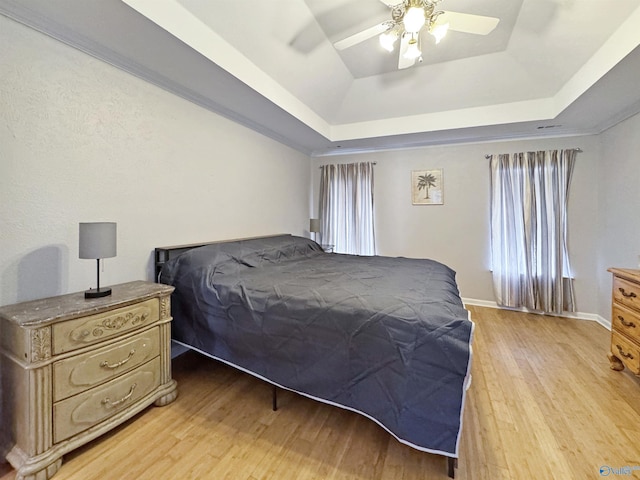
[386, 337]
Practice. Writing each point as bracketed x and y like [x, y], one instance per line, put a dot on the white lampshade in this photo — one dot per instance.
[439, 31]
[314, 225]
[388, 39]
[97, 240]
[412, 51]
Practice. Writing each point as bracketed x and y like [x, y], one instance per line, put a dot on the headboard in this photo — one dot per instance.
[164, 254]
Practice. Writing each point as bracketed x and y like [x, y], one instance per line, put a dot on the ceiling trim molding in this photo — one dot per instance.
[621, 116]
[182, 24]
[467, 140]
[525, 111]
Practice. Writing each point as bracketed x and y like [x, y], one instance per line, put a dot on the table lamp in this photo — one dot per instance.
[97, 240]
[314, 227]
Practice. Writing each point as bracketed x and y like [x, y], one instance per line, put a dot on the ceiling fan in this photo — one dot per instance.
[409, 19]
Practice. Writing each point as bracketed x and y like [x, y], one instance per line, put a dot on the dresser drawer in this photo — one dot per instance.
[626, 321]
[626, 351]
[87, 409]
[77, 333]
[626, 293]
[77, 374]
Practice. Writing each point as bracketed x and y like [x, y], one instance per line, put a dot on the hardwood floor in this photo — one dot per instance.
[543, 404]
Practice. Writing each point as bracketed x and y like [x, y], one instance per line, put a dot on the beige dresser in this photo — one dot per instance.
[74, 368]
[625, 320]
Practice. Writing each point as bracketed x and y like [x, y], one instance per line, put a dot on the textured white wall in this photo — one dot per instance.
[457, 233]
[619, 184]
[83, 141]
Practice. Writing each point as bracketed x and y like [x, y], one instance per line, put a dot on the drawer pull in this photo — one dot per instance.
[112, 366]
[623, 353]
[625, 323]
[109, 404]
[625, 294]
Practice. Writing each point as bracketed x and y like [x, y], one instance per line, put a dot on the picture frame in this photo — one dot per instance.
[427, 187]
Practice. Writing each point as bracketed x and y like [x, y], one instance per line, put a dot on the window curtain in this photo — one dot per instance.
[346, 208]
[530, 258]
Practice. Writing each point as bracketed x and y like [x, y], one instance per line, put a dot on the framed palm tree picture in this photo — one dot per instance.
[427, 187]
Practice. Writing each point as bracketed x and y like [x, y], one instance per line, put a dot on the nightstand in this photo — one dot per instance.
[625, 320]
[74, 368]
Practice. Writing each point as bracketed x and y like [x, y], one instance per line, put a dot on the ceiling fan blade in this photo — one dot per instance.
[402, 61]
[361, 36]
[467, 23]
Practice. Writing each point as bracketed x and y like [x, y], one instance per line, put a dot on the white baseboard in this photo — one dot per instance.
[480, 303]
[593, 317]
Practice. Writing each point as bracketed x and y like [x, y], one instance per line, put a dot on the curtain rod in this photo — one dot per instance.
[488, 156]
[373, 163]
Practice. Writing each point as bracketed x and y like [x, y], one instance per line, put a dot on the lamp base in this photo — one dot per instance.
[97, 292]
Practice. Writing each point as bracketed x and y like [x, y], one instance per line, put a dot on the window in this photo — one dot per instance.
[530, 258]
[346, 208]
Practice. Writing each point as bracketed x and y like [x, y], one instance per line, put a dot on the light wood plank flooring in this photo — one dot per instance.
[543, 404]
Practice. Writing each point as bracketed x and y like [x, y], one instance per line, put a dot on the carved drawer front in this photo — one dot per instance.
[77, 333]
[77, 374]
[626, 351]
[85, 410]
[626, 293]
[627, 322]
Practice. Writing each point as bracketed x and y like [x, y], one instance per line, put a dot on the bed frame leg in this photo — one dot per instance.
[275, 398]
[452, 464]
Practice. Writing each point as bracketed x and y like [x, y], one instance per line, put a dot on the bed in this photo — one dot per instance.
[386, 337]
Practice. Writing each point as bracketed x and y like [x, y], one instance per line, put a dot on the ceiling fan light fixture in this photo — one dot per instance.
[413, 51]
[388, 39]
[414, 19]
[439, 32]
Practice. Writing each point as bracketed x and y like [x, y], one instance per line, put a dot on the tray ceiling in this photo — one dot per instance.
[551, 67]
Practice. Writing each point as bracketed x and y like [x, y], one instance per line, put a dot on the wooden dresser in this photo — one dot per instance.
[625, 320]
[74, 368]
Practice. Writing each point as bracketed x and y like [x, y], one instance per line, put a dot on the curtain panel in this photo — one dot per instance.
[346, 208]
[529, 230]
